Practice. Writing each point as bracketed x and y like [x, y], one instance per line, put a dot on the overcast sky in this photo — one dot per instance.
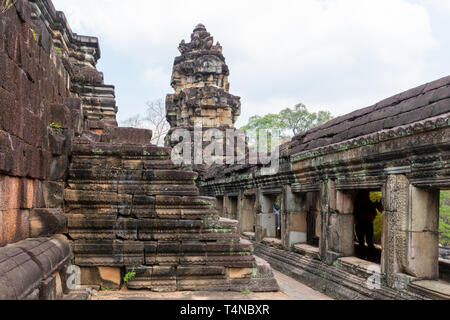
[336, 55]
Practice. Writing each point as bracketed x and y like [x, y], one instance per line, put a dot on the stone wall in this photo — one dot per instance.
[77, 189]
[48, 87]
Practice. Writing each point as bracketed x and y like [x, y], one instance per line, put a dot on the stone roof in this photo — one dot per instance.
[417, 104]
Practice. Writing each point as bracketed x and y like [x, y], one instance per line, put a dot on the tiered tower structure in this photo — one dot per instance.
[200, 80]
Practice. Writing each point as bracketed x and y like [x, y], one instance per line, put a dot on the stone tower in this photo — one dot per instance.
[200, 80]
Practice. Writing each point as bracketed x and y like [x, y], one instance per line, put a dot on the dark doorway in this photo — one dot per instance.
[368, 212]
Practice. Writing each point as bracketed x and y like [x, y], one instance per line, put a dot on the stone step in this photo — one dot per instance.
[82, 146]
[257, 277]
[307, 250]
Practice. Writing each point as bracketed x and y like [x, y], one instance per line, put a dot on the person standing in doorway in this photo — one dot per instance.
[276, 211]
[365, 212]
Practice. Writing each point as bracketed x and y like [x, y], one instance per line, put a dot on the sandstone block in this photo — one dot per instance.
[106, 277]
[239, 273]
[15, 223]
[60, 115]
[53, 194]
[127, 135]
[56, 142]
[47, 222]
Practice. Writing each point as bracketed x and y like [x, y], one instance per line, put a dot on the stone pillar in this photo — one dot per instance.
[230, 207]
[410, 233]
[396, 207]
[265, 220]
[247, 212]
[423, 233]
[294, 226]
[240, 207]
[337, 236]
[341, 223]
[220, 206]
[225, 209]
[324, 207]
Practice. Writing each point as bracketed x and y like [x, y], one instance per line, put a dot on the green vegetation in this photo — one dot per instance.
[283, 126]
[58, 51]
[289, 122]
[56, 127]
[129, 276]
[444, 218]
[104, 288]
[378, 223]
[245, 292]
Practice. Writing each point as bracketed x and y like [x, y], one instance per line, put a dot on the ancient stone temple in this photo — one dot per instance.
[400, 148]
[80, 193]
[200, 80]
[86, 202]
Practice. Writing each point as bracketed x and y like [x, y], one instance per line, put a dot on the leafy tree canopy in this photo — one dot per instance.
[289, 122]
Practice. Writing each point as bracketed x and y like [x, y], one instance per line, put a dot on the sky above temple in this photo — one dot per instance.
[335, 55]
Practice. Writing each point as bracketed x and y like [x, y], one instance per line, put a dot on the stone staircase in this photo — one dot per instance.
[130, 208]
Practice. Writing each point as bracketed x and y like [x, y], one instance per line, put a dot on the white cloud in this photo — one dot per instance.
[157, 77]
[344, 54]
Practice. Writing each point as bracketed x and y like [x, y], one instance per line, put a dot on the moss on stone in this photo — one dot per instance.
[444, 218]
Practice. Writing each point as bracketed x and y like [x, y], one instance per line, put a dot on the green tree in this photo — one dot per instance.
[269, 121]
[289, 122]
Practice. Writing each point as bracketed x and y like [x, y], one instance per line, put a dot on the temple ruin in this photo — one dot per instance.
[79, 193]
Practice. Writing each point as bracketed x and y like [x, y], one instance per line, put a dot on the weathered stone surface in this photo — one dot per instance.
[128, 206]
[200, 80]
[106, 277]
[125, 212]
[28, 268]
[53, 194]
[127, 135]
[56, 142]
[47, 222]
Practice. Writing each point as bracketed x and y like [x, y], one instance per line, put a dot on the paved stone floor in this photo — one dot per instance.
[290, 289]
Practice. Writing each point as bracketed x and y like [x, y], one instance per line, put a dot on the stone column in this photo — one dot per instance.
[423, 233]
[240, 211]
[226, 207]
[220, 205]
[294, 226]
[247, 212]
[410, 231]
[337, 236]
[324, 208]
[265, 220]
